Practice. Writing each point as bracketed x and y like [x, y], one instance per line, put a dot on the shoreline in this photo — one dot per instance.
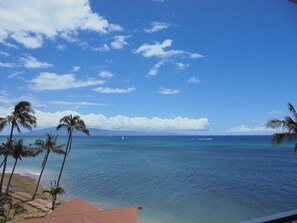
[23, 183]
[21, 191]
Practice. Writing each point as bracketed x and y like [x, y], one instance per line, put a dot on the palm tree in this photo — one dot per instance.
[288, 125]
[18, 151]
[3, 150]
[21, 116]
[54, 192]
[48, 146]
[6, 205]
[70, 123]
[2, 125]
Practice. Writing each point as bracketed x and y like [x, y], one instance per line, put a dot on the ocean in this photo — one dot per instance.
[177, 179]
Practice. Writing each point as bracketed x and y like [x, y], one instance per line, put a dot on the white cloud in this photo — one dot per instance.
[48, 19]
[81, 103]
[168, 91]
[32, 63]
[119, 42]
[181, 66]
[194, 55]
[103, 48]
[15, 74]
[119, 122]
[4, 54]
[158, 50]
[75, 69]
[159, 1]
[157, 26]
[114, 90]
[51, 81]
[194, 80]
[155, 69]
[61, 47]
[6, 65]
[245, 129]
[28, 40]
[105, 74]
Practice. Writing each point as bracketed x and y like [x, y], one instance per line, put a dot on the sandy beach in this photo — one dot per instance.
[22, 188]
[23, 183]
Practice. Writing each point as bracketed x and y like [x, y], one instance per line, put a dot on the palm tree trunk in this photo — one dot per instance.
[5, 158]
[9, 181]
[40, 175]
[65, 156]
[2, 163]
[3, 172]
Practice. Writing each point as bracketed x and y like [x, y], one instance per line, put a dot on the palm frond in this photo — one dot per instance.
[275, 123]
[278, 138]
[293, 111]
[3, 123]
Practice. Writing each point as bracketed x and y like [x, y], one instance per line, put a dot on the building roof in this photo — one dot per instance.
[79, 211]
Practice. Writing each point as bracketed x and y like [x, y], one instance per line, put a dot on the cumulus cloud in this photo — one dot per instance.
[168, 91]
[194, 80]
[32, 63]
[159, 50]
[51, 81]
[245, 129]
[114, 90]
[119, 122]
[155, 69]
[119, 42]
[105, 74]
[157, 26]
[30, 26]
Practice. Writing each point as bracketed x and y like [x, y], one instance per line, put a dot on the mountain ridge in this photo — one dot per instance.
[94, 132]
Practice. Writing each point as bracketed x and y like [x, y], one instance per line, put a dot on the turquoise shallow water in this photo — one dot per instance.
[184, 179]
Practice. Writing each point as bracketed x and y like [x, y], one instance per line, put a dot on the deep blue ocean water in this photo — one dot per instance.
[178, 179]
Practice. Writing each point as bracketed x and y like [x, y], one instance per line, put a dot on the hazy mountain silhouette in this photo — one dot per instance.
[94, 132]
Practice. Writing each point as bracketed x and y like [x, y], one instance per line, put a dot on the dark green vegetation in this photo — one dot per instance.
[70, 123]
[22, 117]
[54, 192]
[9, 209]
[288, 125]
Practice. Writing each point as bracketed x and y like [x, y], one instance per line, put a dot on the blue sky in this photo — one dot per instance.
[204, 67]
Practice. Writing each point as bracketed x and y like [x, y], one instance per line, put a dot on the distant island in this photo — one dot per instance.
[96, 132]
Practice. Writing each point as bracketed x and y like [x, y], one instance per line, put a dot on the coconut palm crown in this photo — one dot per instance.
[288, 126]
[19, 151]
[54, 192]
[47, 146]
[21, 116]
[70, 123]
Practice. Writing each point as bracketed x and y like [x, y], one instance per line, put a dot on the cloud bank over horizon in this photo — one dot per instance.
[120, 122]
